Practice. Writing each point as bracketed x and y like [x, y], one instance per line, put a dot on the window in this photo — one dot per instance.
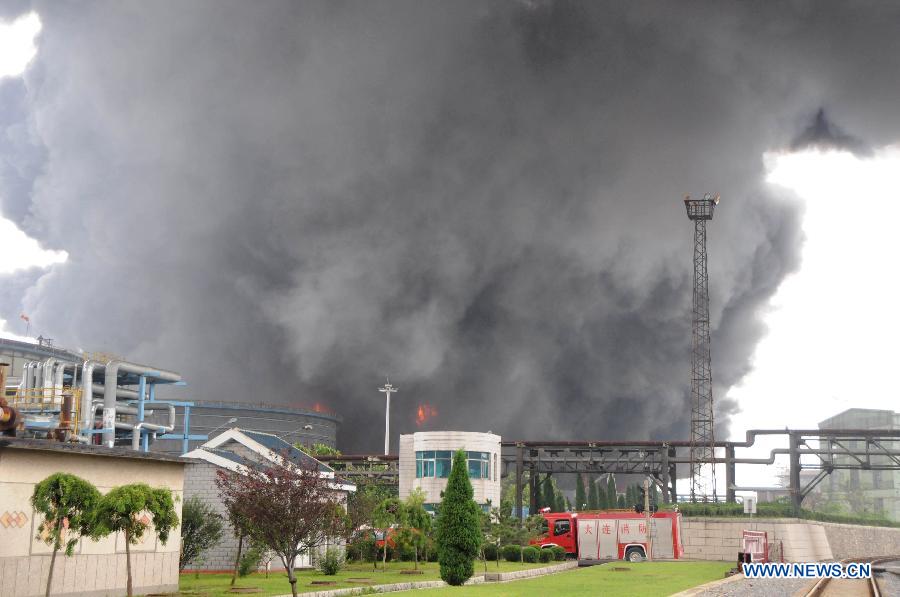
[437, 463]
[479, 465]
[561, 527]
[431, 463]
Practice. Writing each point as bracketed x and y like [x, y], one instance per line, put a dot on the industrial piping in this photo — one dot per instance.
[109, 392]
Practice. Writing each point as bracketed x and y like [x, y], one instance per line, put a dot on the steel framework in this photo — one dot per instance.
[824, 450]
[703, 440]
[381, 469]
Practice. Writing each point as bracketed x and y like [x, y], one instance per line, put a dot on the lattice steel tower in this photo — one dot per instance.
[703, 470]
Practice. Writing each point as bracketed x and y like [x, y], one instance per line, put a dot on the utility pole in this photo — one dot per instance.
[388, 389]
[703, 452]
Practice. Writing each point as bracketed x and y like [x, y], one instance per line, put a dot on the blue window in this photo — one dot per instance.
[437, 463]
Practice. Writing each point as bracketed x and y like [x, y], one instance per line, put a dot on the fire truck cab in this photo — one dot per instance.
[614, 535]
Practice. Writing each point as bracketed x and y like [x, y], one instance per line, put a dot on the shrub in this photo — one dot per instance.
[432, 555]
[531, 554]
[406, 552]
[490, 551]
[511, 553]
[331, 563]
[546, 555]
[362, 550]
[250, 560]
[559, 553]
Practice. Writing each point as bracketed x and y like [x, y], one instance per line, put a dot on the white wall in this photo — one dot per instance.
[485, 489]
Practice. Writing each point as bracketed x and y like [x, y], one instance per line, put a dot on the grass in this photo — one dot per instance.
[645, 579]
[217, 585]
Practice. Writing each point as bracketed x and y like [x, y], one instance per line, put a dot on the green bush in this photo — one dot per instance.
[546, 555]
[250, 560]
[559, 553]
[331, 563]
[511, 553]
[406, 553]
[531, 554]
[432, 555]
[458, 525]
[490, 551]
[777, 510]
[362, 550]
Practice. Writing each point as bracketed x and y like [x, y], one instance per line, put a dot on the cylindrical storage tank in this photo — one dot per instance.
[295, 425]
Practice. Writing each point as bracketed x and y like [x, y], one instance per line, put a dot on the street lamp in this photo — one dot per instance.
[387, 390]
[228, 422]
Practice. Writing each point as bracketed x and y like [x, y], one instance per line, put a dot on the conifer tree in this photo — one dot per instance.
[580, 497]
[611, 491]
[593, 501]
[458, 525]
[548, 499]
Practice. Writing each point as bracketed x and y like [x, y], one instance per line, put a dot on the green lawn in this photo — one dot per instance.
[645, 579]
[217, 585]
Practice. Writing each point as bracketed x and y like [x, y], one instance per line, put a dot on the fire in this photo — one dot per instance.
[425, 412]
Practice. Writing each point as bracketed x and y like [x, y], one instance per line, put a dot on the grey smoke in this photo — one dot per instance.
[824, 134]
[286, 201]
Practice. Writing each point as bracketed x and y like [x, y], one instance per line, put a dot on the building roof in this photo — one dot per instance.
[269, 447]
[45, 445]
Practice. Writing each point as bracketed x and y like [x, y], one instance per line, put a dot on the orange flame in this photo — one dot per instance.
[425, 412]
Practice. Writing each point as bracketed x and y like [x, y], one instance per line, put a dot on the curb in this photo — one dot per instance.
[436, 584]
[710, 585]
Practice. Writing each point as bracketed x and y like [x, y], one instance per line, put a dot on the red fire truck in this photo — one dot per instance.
[613, 535]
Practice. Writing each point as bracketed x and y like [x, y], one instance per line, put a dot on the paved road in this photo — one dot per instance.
[757, 587]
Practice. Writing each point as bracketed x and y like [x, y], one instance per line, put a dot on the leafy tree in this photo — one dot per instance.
[285, 506]
[120, 511]
[580, 497]
[593, 501]
[390, 514]
[67, 503]
[458, 523]
[621, 502]
[239, 527]
[418, 522]
[201, 528]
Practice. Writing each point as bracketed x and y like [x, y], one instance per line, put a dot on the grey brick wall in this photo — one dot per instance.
[200, 481]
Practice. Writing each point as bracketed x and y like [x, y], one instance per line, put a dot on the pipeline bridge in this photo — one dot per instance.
[821, 450]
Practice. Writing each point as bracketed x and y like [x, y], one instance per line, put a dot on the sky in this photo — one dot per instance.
[287, 202]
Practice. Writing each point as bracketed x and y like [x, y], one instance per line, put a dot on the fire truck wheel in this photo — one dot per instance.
[634, 554]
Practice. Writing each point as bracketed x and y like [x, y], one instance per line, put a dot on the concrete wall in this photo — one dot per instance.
[801, 540]
[485, 489]
[98, 567]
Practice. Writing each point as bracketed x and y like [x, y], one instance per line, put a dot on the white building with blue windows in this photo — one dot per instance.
[426, 457]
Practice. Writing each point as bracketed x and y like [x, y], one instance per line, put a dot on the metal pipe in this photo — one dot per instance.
[109, 391]
[100, 389]
[87, 385]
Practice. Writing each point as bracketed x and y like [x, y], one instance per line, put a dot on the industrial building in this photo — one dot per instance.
[426, 457]
[305, 426]
[61, 393]
[865, 491]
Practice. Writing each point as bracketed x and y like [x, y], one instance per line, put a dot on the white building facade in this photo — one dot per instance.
[426, 458]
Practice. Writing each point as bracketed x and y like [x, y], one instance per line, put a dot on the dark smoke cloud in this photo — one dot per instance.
[823, 134]
[287, 201]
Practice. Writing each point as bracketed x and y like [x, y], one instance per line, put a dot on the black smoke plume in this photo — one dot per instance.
[286, 201]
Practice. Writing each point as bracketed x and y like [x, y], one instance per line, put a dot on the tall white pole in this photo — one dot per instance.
[388, 389]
